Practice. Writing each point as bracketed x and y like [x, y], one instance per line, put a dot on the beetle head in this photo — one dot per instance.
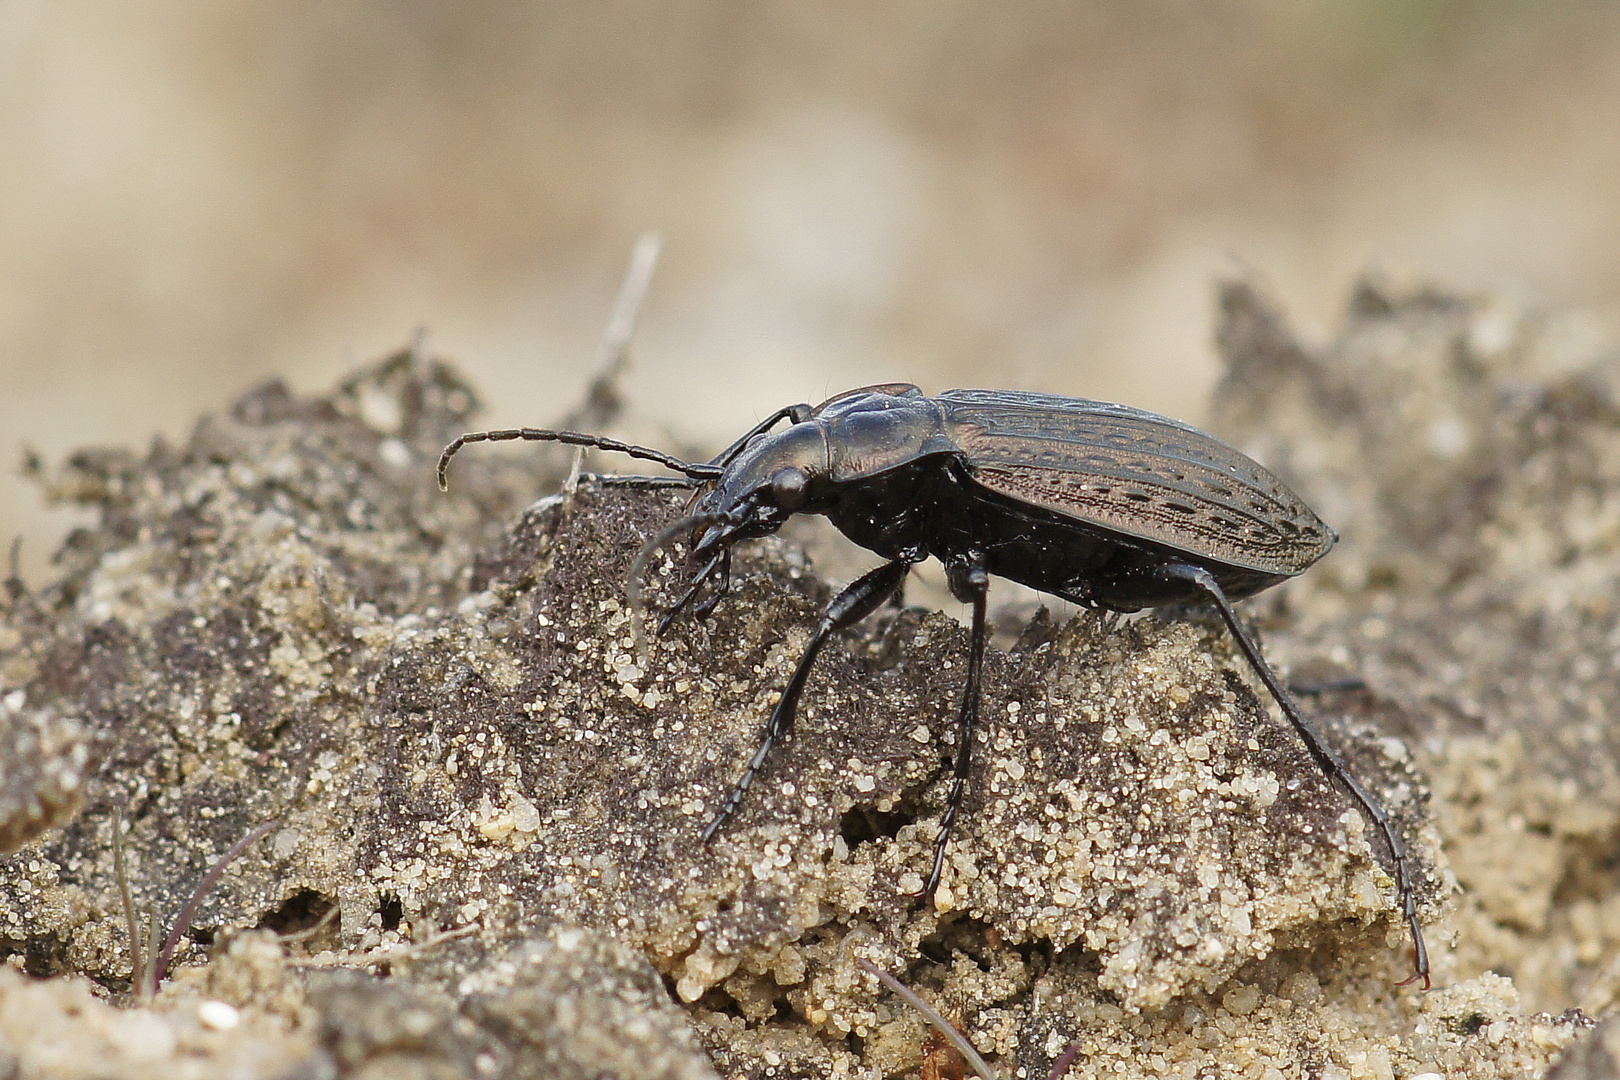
[765, 482]
[773, 477]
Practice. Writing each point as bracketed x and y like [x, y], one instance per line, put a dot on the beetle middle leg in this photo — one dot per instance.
[858, 600]
[1326, 757]
[970, 583]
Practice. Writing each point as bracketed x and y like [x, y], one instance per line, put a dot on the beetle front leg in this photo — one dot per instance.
[971, 584]
[720, 564]
[706, 607]
[858, 600]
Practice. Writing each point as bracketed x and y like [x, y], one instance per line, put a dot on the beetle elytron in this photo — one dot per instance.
[1104, 505]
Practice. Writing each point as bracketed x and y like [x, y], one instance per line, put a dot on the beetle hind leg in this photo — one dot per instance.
[1326, 757]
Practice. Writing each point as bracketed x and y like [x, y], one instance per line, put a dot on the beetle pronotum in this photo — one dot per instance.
[1104, 505]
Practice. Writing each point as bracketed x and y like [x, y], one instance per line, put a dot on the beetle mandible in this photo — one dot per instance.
[1107, 506]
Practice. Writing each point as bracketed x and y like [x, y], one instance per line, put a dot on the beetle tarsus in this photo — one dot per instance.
[720, 564]
[705, 607]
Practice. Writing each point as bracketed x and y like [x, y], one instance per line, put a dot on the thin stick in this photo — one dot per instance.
[417, 351]
[404, 952]
[613, 357]
[942, 1025]
[154, 942]
[601, 398]
[16, 587]
[182, 923]
[305, 935]
[601, 402]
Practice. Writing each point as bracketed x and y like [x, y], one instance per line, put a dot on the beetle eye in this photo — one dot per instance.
[788, 487]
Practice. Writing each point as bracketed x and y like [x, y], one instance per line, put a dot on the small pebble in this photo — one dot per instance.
[218, 1015]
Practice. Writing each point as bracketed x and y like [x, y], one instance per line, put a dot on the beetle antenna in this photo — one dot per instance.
[638, 569]
[695, 470]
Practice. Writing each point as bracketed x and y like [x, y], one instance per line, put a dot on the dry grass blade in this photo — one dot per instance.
[601, 402]
[931, 1014]
[137, 957]
[182, 923]
[389, 956]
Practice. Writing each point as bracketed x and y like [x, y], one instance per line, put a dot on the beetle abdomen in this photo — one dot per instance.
[1136, 474]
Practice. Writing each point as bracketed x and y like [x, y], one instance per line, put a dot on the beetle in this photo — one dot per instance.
[1107, 506]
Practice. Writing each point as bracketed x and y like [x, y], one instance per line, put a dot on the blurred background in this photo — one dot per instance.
[199, 194]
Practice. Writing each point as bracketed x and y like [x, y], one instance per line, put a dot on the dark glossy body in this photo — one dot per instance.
[1082, 499]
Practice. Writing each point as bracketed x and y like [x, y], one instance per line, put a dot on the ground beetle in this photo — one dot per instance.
[1104, 505]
